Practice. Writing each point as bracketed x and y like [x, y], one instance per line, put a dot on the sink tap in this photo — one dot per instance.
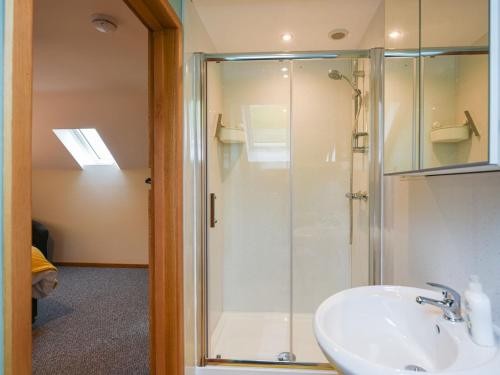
[450, 305]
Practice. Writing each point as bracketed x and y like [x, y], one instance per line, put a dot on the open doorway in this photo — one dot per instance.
[90, 163]
[165, 198]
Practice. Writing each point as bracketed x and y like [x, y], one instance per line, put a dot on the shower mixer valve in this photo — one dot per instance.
[360, 196]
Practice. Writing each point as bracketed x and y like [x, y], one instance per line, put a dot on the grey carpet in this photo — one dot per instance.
[94, 323]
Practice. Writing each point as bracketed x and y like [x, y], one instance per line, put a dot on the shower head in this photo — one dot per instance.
[335, 74]
[358, 99]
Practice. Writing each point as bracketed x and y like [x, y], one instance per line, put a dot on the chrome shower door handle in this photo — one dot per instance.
[213, 221]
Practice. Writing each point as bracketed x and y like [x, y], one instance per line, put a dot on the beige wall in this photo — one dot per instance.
[96, 215]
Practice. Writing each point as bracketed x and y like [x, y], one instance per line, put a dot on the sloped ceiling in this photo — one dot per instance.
[256, 25]
[84, 78]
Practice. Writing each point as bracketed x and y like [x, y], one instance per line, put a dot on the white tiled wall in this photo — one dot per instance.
[443, 229]
[255, 216]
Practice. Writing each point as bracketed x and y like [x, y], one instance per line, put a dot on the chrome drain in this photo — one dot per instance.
[415, 368]
[286, 357]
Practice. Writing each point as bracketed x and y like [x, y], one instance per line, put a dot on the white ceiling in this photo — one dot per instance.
[256, 25]
[84, 78]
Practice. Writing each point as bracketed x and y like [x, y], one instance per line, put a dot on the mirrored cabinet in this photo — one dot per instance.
[441, 84]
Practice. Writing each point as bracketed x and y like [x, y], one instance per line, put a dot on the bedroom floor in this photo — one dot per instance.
[94, 323]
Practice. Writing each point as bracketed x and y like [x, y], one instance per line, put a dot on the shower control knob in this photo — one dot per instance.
[360, 196]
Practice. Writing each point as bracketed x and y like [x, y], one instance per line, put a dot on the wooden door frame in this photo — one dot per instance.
[165, 121]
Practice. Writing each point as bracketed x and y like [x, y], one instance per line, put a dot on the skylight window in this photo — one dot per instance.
[86, 146]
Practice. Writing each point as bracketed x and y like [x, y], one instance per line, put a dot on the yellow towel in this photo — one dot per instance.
[39, 263]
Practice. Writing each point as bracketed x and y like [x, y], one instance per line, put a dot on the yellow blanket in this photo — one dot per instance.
[39, 263]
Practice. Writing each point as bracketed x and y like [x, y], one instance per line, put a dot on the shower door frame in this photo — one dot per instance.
[375, 155]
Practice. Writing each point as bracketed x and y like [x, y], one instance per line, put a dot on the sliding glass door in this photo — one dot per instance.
[284, 153]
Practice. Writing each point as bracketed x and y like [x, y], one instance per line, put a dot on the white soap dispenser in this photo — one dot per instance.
[478, 313]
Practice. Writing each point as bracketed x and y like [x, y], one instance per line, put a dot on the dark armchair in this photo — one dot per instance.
[40, 239]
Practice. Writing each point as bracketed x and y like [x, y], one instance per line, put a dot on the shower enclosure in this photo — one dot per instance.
[291, 192]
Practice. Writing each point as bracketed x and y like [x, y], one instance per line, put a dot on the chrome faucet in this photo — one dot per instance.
[450, 305]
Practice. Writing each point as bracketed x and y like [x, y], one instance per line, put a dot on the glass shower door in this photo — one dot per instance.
[328, 116]
[248, 210]
[286, 201]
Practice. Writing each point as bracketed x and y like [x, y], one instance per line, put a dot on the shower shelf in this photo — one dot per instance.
[229, 135]
[455, 133]
[450, 134]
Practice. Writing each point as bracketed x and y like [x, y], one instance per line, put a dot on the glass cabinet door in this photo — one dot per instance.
[402, 25]
[436, 85]
[454, 110]
[401, 86]
[401, 114]
[454, 85]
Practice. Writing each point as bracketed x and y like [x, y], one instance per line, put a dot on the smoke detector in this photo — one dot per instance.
[104, 23]
[338, 34]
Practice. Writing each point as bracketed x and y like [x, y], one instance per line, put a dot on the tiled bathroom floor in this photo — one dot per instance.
[262, 336]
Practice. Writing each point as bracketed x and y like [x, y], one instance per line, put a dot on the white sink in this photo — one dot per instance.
[380, 330]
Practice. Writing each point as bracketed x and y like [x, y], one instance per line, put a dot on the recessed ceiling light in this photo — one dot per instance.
[285, 75]
[286, 37]
[337, 34]
[394, 34]
[284, 69]
[86, 146]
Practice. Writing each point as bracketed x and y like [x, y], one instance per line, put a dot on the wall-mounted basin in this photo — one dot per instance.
[381, 330]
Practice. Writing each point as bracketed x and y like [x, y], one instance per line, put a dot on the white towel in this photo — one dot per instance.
[43, 283]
